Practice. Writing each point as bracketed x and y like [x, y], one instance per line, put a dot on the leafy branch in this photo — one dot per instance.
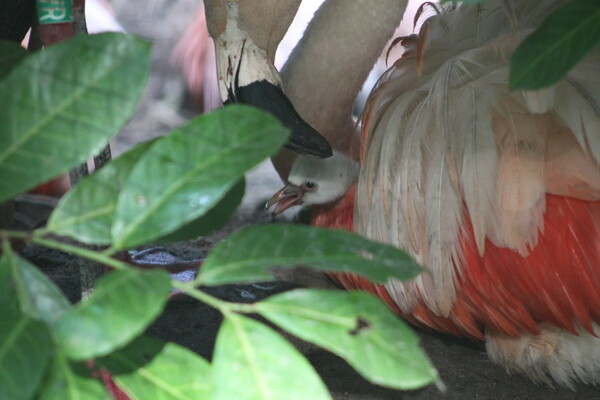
[66, 103]
[565, 37]
[175, 187]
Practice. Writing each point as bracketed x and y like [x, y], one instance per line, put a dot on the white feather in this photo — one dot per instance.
[455, 140]
[554, 353]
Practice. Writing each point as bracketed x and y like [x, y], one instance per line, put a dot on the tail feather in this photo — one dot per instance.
[553, 354]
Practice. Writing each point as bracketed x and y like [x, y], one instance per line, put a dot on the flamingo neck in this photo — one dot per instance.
[330, 64]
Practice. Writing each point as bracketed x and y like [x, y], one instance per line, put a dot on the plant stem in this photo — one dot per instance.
[24, 235]
[224, 307]
[82, 252]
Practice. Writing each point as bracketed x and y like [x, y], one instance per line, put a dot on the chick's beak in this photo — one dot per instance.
[287, 197]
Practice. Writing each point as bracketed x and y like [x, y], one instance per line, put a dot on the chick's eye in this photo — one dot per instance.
[310, 186]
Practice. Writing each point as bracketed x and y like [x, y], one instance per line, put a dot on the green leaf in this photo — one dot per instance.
[563, 39]
[212, 220]
[123, 304]
[357, 327]
[151, 369]
[87, 211]
[8, 294]
[24, 354]
[65, 104]
[68, 381]
[185, 174]
[38, 297]
[10, 55]
[262, 364]
[250, 255]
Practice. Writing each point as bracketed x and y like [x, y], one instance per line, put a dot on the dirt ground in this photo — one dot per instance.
[463, 365]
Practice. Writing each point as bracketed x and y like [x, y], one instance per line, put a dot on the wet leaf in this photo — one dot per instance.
[123, 304]
[251, 254]
[151, 369]
[65, 104]
[563, 39]
[11, 54]
[37, 296]
[8, 295]
[263, 364]
[212, 220]
[87, 211]
[69, 381]
[24, 354]
[186, 173]
[357, 327]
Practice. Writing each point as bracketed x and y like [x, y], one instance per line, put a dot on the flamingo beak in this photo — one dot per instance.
[290, 195]
[269, 97]
[247, 76]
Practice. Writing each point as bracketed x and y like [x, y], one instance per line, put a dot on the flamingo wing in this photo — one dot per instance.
[496, 192]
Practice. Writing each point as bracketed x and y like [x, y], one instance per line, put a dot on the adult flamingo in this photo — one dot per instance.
[246, 35]
[497, 193]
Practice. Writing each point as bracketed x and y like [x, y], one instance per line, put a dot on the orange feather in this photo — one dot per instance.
[557, 282]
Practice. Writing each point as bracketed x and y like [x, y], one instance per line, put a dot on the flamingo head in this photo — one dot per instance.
[246, 35]
[314, 181]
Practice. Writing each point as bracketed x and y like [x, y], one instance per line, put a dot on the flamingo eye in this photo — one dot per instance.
[310, 186]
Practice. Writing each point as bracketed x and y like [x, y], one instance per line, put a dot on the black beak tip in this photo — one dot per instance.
[311, 145]
[304, 138]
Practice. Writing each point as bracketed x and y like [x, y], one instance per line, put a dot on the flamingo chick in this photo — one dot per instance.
[316, 182]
